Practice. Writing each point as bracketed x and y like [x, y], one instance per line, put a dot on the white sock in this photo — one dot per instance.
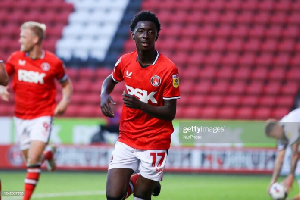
[136, 198]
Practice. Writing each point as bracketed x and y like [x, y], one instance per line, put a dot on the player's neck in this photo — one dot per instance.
[36, 53]
[147, 57]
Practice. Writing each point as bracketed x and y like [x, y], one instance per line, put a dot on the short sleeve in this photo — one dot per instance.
[117, 74]
[9, 66]
[60, 73]
[171, 89]
[282, 144]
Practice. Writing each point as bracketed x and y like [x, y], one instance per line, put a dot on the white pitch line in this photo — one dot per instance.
[54, 195]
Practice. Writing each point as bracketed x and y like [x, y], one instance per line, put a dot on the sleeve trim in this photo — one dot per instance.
[112, 76]
[169, 98]
[64, 78]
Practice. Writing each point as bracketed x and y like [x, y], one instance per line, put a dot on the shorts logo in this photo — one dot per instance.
[155, 81]
[175, 80]
[45, 66]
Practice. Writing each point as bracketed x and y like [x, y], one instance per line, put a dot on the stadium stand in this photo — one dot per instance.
[238, 59]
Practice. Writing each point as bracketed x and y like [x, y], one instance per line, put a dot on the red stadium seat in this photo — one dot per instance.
[240, 31]
[272, 88]
[281, 61]
[293, 74]
[214, 100]
[195, 100]
[232, 100]
[237, 87]
[225, 72]
[277, 74]
[244, 113]
[226, 113]
[267, 101]
[192, 112]
[285, 101]
[290, 88]
[249, 101]
[209, 112]
[259, 74]
[263, 113]
[202, 87]
[220, 87]
[274, 31]
[279, 113]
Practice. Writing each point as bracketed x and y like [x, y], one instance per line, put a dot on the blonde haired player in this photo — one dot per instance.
[287, 132]
[34, 71]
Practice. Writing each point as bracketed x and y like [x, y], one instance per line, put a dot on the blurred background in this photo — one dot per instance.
[239, 64]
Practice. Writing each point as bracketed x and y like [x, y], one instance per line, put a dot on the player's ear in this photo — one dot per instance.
[132, 35]
[156, 36]
[36, 39]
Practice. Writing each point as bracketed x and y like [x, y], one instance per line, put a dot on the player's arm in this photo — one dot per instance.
[165, 112]
[67, 90]
[105, 99]
[3, 75]
[294, 159]
[278, 165]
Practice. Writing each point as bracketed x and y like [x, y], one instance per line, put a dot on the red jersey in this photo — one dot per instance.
[152, 85]
[33, 83]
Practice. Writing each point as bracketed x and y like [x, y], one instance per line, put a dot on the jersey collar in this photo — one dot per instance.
[42, 56]
[156, 58]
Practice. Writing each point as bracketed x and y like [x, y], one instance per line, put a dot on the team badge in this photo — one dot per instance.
[155, 81]
[45, 66]
[175, 80]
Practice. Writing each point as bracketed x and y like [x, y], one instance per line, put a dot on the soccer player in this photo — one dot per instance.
[3, 75]
[152, 89]
[287, 132]
[34, 71]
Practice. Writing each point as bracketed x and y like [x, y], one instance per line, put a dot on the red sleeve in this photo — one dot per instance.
[171, 89]
[117, 74]
[9, 66]
[60, 73]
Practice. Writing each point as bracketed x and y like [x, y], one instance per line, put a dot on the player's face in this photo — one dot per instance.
[277, 132]
[27, 40]
[145, 35]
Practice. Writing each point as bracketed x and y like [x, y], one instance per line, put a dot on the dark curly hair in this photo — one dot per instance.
[145, 16]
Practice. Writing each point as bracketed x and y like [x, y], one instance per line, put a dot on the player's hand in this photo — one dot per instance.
[4, 93]
[288, 182]
[105, 107]
[269, 187]
[61, 107]
[131, 101]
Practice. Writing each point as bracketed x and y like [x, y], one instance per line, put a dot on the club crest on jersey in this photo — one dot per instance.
[175, 80]
[45, 66]
[155, 81]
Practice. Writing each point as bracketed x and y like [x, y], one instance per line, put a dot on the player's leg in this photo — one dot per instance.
[39, 130]
[35, 154]
[151, 172]
[117, 183]
[122, 166]
[144, 188]
[133, 181]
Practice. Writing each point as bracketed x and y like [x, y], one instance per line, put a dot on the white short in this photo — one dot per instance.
[33, 129]
[149, 163]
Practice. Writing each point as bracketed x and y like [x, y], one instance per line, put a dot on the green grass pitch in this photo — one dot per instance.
[91, 186]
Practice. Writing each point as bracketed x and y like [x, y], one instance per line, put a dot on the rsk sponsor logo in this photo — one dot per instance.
[31, 76]
[141, 94]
